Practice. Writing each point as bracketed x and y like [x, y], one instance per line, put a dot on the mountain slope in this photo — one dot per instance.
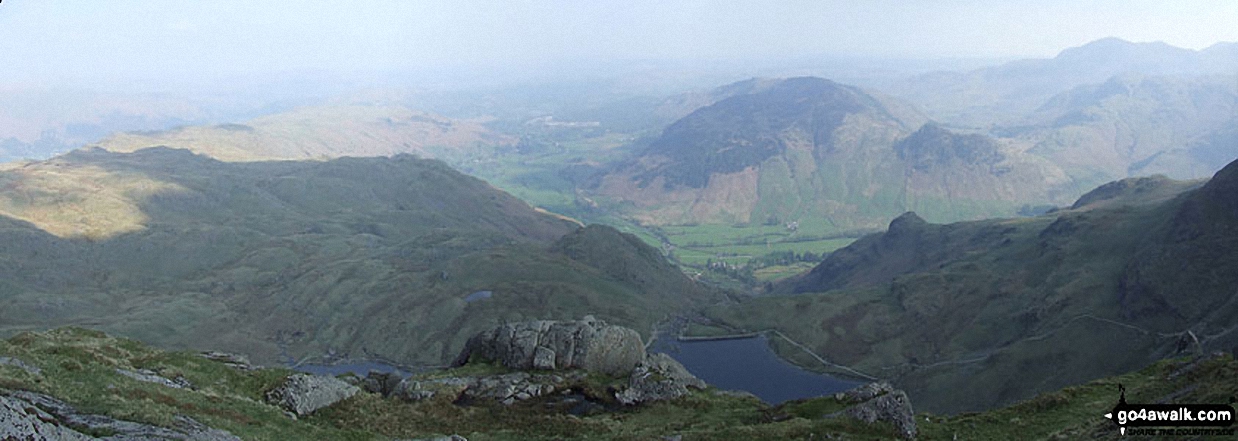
[809, 148]
[1004, 93]
[1132, 125]
[323, 132]
[973, 315]
[360, 257]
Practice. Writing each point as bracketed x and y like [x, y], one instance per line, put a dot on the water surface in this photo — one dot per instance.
[748, 364]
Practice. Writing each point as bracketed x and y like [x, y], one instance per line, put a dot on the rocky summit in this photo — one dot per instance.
[587, 344]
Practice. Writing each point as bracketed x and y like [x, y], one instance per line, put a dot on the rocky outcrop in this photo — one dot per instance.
[880, 401]
[504, 388]
[20, 420]
[577, 346]
[36, 417]
[416, 390]
[150, 376]
[587, 344]
[658, 377]
[303, 394]
[516, 386]
[235, 361]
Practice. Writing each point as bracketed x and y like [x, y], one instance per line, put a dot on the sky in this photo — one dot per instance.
[46, 41]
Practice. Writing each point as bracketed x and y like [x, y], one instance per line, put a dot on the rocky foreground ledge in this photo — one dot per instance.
[540, 379]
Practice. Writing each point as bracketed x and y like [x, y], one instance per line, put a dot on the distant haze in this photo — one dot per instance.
[46, 43]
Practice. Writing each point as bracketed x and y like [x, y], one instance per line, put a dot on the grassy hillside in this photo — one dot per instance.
[81, 367]
[357, 257]
[973, 315]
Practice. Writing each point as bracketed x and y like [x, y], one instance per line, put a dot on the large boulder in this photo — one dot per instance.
[587, 344]
[658, 377]
[880, 401]
[302, 394]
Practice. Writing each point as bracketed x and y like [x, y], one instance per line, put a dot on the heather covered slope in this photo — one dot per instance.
[812, 149]
[973, 315]
[360, 257]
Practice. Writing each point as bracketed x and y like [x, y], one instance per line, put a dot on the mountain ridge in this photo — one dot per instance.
[809, 148]
[327, 131]
[1001, 94]
[972, 315]
[356, 256]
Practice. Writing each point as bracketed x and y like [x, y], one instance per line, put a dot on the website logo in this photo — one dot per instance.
[1174, 419]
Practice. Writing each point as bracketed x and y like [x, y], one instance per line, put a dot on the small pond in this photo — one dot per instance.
[748, 364]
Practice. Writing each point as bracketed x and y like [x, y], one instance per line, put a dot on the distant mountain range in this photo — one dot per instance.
[1136, 126]
[769, 151]
[973, 315]
[1004, 93]
[323, 132]
[808, 148]
[814, 150]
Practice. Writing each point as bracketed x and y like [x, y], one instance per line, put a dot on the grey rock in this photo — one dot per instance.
[234, 361]
[19, 420]
[303, 394]
[592, 345]
[412, 390]
[150, 376]
[880, 401]
[15, 362]
[509, 388]
[864, 392]
[382, 383]
[658, 377]
[35, 416]
[543, 358]
[505, 388]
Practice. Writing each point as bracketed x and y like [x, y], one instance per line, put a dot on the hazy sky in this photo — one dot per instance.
[48, 39]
